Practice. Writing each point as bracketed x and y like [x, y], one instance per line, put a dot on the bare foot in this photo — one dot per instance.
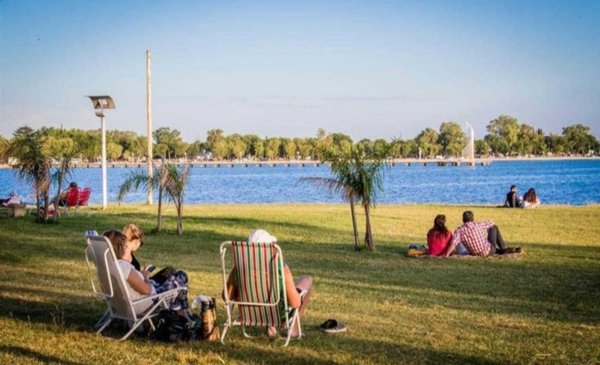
[272, 332]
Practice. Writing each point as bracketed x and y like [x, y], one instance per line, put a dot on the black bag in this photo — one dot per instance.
[171, 327]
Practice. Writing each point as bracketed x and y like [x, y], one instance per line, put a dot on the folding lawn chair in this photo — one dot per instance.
[84, 199]
[71, 200]
[260, 285]
[109, 284]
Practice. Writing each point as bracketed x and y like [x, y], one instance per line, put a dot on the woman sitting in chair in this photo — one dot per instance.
[293, 290]
[139, 283]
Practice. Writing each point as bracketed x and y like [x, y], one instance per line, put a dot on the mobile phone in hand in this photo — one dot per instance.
[150, 268]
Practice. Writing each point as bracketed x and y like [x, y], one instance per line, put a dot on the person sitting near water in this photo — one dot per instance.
[530, 199]
[304, 283]
[61, 199]
[439, 237]
[512, 198]
[480, 238]
[139, 283]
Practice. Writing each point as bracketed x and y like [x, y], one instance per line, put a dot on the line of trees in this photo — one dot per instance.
[506, 136]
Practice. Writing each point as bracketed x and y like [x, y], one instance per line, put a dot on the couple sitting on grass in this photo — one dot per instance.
[472, 238]
[140, 283]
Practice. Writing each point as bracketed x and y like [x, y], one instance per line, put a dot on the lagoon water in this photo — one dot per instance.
[574, 182]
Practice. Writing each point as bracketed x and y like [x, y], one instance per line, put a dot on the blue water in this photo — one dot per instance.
[573, 182]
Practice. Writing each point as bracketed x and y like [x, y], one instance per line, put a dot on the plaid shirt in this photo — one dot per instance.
[473, 235]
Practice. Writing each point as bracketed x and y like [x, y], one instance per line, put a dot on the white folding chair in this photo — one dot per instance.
[110, 285]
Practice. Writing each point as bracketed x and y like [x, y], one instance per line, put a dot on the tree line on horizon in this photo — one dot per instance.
[506, 136]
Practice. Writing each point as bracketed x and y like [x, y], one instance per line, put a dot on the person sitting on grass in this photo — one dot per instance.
[512, 198]
[439, 237]
[304, 283]
[530, 199]
[480, 238]
[139, 283]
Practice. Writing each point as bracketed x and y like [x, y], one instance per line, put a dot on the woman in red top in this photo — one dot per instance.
[438, 237]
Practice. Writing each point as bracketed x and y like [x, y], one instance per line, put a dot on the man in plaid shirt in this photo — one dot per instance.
[480, 238]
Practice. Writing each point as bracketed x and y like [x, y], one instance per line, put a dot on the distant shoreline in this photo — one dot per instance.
[477, 161]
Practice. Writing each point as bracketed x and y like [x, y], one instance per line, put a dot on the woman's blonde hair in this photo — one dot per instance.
[133, 232]
[118, 241]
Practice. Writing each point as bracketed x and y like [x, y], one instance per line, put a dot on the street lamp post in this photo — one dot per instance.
[100, 103]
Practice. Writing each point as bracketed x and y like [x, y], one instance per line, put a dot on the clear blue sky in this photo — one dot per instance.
[370, 69]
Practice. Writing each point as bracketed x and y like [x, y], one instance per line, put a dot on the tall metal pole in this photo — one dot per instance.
[149, 120]
[104, 190]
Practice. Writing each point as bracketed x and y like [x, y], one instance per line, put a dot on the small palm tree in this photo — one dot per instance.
[362, 174]
[33, 166]
[166, 179]
[176, 180]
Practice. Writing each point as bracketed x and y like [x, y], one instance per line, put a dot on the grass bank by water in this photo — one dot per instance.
[537, 309]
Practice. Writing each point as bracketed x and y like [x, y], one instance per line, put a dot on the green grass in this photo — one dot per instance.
[540, 308]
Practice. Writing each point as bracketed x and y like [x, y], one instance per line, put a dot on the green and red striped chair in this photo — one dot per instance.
[258, 276]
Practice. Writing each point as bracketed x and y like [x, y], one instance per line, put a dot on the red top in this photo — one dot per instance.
[438, 242]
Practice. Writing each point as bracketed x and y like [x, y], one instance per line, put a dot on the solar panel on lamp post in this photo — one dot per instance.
[100, 103]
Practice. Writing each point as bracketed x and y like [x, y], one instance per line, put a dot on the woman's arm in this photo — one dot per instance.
[140, 285]
[293, 297]
[231, 288]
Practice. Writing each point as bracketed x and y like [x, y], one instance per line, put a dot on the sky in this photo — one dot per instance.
[369, 69]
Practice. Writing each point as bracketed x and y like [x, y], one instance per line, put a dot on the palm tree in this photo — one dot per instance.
[168, 179]
[357, 177]
[368, 177]
[176, 180]
[362, 174]
[33, 166]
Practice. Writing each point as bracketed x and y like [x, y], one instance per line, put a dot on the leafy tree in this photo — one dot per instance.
[172, 139]
[452, 139]
[557, 144]
[481, 147]
[427, 141]
[504, 132]
[212, 137]
[236, 145]
[578, 139]
[530, 141]
[272, 148]
[221, 149]
[113, 151]
[290, 150]
[194, 149]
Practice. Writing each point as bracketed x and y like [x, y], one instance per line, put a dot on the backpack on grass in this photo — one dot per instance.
[171, 327]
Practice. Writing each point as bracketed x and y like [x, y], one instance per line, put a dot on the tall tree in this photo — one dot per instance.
[504, 133]
[452, 139]
[579, 140]
[427, 141]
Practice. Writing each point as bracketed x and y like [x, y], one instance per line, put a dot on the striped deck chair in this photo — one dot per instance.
[258, 274]
[110, 285]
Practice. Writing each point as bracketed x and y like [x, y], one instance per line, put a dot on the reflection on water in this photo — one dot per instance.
[557, 182]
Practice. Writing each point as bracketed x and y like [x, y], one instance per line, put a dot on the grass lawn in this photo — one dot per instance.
[540, 308]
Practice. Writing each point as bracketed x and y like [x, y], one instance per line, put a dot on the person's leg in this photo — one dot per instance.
[496, 239]
[304, 283]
